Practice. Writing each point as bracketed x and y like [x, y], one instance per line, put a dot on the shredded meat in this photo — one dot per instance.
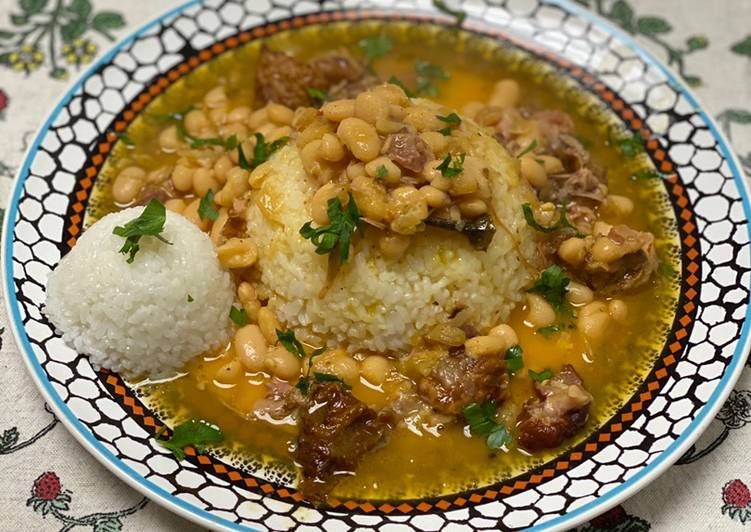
[160, 192]
[560, 409]
[459, 379]
[336, 430]
[283, 79]
[281, 401]
[407, 150]
[553, 126]
[634, 260]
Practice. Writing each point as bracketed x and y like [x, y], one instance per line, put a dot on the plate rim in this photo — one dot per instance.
[148, 488]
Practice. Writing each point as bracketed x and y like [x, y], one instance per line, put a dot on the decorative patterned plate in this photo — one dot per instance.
[696, 370]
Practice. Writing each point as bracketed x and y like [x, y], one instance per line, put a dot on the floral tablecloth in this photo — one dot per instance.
[49, 482]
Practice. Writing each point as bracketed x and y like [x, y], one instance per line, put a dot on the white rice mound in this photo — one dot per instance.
[380, 304]
[136, 318]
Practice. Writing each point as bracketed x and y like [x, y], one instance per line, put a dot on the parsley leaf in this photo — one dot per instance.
[399, 83]
[317, 95]
[149, 223]
[327, 377]
[290, 342]
[239, 316]
[480, 419]
[304, 382]
[630, 146]
[514, 358]
[338, 233]
[451, 168]
[192, 432]
[549, 331]
[540, 377]
[452, 119]
[375, 47]
[190, 298]
[666, 269]
[125, 139]
[552, 286]
[644, 174]
[530, 147]
[427, 73]
[229, 144]
[261, 152]
[458, 14]
[206, 208]
[381, 172]
[562, 222]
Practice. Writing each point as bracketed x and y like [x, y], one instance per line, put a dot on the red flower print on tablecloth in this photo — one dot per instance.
[737, 499]
[3, 103]
[49, 498]
[616, 520]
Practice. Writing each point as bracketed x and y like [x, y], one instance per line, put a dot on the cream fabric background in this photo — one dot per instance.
[687, 498]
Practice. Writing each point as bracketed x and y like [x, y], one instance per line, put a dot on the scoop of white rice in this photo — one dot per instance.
[137, 318]
[380, 304]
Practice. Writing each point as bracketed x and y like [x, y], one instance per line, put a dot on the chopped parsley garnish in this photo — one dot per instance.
[381, 172]
[666, 269]
[399, 83]
[303, 384]
[481, 421]
[375, 47]
[550, 330]
[540, 377]
[125, 138]
[149, 223]
[451, 167]
[645, 174]
[458, 14]
[552, 286]
[317, 95]
[338, 233]
[530, 147]
[261, 151]
[192, 432]
[290, 342]
[239, 316]
[190, 298]
[229, 144]
[514, 358]
[630, 146]
[427, 73]
[452, 119]
[562, 222]
[206, 210]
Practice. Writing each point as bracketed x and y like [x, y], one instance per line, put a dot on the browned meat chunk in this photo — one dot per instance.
[336, 430]
[283, 79]
[560, 409]
[459, 379]
[338, 67]
[622, 260]
[407, 150]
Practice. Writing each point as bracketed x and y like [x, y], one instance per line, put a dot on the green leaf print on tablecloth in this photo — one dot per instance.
[53, 33]
[653, 29]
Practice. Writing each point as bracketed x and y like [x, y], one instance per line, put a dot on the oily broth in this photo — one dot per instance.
[611, 372]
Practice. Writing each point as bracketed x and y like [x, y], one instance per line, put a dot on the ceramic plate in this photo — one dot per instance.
[695, 371]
